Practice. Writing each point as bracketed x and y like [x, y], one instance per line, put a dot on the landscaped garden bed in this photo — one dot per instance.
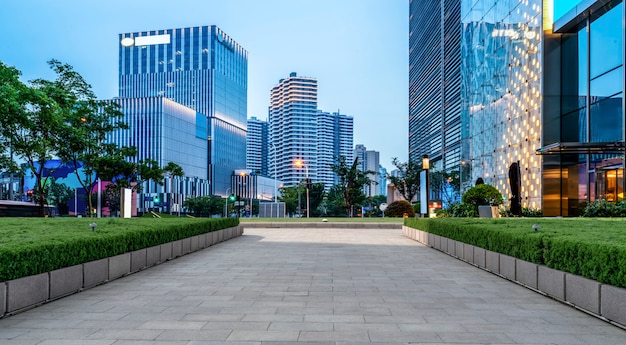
[30, 246]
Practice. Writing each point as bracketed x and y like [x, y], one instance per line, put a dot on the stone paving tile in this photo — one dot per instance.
[309, 286]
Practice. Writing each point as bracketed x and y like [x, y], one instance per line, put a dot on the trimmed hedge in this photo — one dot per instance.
[594, 249]
[67, 242]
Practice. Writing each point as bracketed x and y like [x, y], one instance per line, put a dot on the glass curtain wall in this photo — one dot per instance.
[591, 113]
[501, 89]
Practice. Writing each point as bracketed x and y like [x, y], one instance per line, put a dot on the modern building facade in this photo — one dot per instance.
[293, 129]
[335, 137]
[369, 160]
[435, 82]
[203, 69]
[257, 146]
[583, 106]
[501, 69]
[382, 181]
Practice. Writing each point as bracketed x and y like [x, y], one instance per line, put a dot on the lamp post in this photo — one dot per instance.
[274, 159]
[226, 203]
[299, 164]
[425, 183]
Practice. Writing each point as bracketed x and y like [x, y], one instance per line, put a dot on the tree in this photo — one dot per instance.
[407, 182]
[59, 194]
[122, 171]
[87, 122]
[31, 117]
[204, 206]
[289, 195]
[351, 182]
[447, 185]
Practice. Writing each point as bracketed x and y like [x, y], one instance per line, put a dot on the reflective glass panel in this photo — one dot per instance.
[606, 42]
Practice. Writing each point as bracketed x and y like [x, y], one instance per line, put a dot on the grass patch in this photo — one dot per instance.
[31, 246]
[592, 248]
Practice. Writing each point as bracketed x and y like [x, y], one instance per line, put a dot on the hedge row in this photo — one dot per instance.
[565, 245]
[75, 245]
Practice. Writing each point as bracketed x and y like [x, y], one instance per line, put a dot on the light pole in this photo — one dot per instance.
[274, 158]
[226, 203]
[299, 164]
[425, 195]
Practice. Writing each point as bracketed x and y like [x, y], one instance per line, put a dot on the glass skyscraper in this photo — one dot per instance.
[203, 69]
[257, 146]
[501, 54]
[435, 82]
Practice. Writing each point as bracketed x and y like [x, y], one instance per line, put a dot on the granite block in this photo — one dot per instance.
[66, 281]
[26, 292]
[551, 282]
[583, 292]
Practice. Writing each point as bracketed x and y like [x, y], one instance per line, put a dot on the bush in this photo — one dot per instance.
[526, 212]
[483, 194]
[417, 208]
[399, 208]
[603, 208]
[462, 210]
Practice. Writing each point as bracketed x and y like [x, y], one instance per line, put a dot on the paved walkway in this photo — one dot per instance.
[322, 286]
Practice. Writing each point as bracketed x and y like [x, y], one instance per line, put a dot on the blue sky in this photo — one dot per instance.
[357, 49]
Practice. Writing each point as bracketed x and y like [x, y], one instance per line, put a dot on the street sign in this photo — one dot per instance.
[383, 206]
[147, 198]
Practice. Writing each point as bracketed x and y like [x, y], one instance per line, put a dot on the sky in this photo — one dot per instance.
[356, 49]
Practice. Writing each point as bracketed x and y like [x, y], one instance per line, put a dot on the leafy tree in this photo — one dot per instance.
[447, 185]
[407, 182]
[205, 206]
[59, 194]
[122, 172]
[29, 124]
[351, 182]
[333, 203]
[289, 195]
[483, 194]
[87, 121]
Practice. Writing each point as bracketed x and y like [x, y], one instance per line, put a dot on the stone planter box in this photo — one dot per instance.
[26, 292]
[599, 299]
[20, 294]
[66, 281]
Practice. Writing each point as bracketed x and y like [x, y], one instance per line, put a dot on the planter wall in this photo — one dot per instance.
[28, 292]
[605, 301]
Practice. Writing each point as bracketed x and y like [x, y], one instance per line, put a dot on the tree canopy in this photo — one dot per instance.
[407, 181]
[351, 182]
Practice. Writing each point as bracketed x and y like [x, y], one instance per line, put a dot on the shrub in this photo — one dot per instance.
[399, 208]
[417, 208]
[483, 194]
[462, 210]
[603, 208]
[531, 213]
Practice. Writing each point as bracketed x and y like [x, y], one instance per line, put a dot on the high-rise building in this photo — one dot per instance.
[501, 54]
[475, 90]
[293, 129]
[335, 133]
[435, 82]
[257, 146]
[382, 181]
[203, 69]
[369, 160]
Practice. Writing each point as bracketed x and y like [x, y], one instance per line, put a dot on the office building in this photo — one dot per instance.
[335, 137]
[293, 129]
[501, 71]
[435, 82]
[203, 69]
[582, 147]
[257, 146]
[369, 160]
[382, 181]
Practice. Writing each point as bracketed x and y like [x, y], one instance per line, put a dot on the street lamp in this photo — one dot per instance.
[425, 183]
[226, 203]
[299, 163]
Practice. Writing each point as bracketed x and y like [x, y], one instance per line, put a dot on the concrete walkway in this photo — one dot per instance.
[322, 286]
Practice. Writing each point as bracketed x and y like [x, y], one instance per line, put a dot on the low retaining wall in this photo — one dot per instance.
[605, 301]
[24, 293]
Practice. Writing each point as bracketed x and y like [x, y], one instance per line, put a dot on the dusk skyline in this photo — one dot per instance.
[356, 49]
